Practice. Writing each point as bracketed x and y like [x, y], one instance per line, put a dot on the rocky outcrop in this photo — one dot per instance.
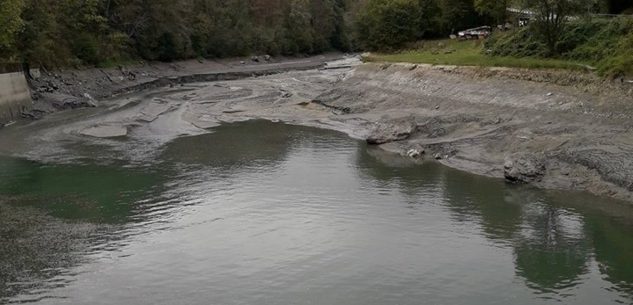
[524, 168]
[390, 130]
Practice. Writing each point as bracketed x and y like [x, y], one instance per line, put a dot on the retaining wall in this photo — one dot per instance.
[15, 97]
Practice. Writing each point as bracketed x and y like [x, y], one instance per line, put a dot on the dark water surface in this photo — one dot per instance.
[263, 213]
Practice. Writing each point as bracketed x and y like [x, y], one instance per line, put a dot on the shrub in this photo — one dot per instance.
[389, 24]
[605, 43]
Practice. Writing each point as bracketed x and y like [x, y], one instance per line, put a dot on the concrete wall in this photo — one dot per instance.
[15, 97]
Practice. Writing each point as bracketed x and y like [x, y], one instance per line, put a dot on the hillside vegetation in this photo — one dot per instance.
[95, 32]
[603, 45]
[606, 44]
[59, 33]
[468, 53]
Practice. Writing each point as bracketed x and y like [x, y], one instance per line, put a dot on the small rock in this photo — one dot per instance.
[242, 62]
[437, 107]
[550, 94]
[415, 153]
[437, 156]
[267, 58]
[255, 59]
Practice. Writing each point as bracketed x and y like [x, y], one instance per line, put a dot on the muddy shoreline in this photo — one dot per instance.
[60, 90]
[552, 135]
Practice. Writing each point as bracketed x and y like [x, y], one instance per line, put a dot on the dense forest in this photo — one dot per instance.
[98, 32]
[62, 32]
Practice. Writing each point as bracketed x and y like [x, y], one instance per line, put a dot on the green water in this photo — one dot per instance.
[263, 213]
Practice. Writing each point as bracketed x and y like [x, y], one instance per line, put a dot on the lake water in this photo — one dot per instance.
[266, 213]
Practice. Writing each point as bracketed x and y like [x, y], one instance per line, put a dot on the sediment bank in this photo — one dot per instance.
[573, 136]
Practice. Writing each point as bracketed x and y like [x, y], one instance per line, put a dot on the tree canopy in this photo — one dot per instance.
[98, 32]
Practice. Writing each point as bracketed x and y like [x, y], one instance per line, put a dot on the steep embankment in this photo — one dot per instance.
[551, 129]
[78, 88]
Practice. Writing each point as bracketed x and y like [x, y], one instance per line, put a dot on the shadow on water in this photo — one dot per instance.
[253, 144]
[554, 235]
[52, 217]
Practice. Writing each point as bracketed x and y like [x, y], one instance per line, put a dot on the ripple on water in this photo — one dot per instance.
[268, 213]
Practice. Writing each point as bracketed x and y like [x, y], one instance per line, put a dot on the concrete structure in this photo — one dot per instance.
[15, 97]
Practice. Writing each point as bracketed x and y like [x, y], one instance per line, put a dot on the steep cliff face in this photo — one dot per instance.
[15, 97]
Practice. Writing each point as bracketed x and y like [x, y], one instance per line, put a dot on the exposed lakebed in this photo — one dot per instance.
[268, 213]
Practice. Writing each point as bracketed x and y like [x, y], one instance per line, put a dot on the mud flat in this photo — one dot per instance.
[550, 134]
[575, 136]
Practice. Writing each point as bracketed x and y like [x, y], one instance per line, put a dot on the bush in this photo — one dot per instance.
[389, 24]
[519, 43]
[604, 43]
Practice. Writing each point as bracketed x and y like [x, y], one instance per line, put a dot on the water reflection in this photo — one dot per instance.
[54, 217]
[51, 216]
[90, 192]
[302, 215]
[256, 144]
[554, 238]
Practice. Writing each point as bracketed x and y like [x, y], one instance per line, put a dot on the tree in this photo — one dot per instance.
[551, 17]
[458, 15]
[10, 24]
[388, 24]
[79, 32]
[495, 8]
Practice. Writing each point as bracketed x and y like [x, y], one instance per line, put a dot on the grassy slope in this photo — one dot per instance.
[468, 53]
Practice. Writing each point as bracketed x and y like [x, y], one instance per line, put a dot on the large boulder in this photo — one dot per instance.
[391, 130]
[524, 168]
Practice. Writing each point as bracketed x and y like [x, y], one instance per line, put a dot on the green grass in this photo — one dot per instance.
[467, 53]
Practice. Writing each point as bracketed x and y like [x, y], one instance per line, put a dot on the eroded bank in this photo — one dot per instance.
[549, 134]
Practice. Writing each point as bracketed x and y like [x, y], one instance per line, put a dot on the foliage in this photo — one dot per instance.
[468, 53]
[56, 33]
[494, 8]
[94, 32]
[522, 42]
[390, 23]
[604, 43]
[10, 23]
[551, 18]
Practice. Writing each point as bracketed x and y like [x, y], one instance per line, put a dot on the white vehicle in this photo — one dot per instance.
[482, 31]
